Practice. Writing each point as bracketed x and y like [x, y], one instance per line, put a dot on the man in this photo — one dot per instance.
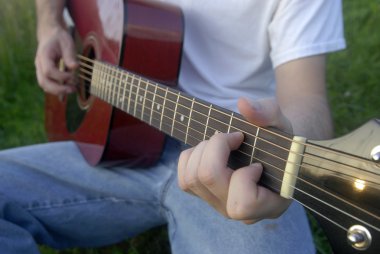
[270, 52]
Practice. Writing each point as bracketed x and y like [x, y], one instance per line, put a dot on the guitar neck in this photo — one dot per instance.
[192, 120]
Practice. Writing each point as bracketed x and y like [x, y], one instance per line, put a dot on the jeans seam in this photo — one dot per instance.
[61, 204]
[164, 210]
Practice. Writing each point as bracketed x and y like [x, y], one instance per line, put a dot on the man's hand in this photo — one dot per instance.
[203, 170]
[52, 47]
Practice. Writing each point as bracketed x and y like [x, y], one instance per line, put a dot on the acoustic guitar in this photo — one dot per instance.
[129, 54]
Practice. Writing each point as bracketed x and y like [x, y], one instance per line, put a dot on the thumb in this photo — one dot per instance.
[68, 52]
[265, 113]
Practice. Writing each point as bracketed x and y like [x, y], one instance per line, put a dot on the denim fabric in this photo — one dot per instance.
[50, 195]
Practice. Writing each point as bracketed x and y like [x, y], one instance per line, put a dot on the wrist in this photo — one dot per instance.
[49, 17]
[47, 32]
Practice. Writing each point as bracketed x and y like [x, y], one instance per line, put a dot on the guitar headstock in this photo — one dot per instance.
[346, 173]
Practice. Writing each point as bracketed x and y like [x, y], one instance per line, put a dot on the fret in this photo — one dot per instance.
[153, 105]
[108, 84]
[133, 95]
[168, 113]
[95, 88]
[144, 90]
[140, 98]
[188, 121]
[160, 104]
[197, 126]
[119, 97]
[136, 83]
[180, 119]
[124, 84]
[183, 116]
[230, 122]
[217, 121]
[94, 79]
[200, 113]
[208, 118]
[130, 87]
[158, 107]
[254, 144]
[149, 98]
[273, 151]
[175, 113]
[113, 86]
[269, 140]
[238, 124]
[103, 81]
[99, 83]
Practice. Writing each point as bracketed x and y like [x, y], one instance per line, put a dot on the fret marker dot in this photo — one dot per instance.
[182, 118]
[141, 98]
[158, 107]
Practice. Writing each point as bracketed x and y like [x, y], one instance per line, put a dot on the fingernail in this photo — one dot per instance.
[237, 134]
[257, 165]
[255, 105]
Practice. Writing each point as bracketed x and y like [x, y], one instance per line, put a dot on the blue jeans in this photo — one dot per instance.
[50, 195]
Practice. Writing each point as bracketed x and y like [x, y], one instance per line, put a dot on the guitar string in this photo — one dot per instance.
[248, 144]
[117, 69]
[299, 190]
[280, 170]
[113, 91]
[368, 181]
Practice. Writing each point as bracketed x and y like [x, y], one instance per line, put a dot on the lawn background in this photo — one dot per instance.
[353, 87]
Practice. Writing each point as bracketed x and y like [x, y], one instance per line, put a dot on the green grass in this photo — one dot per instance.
[353, 85]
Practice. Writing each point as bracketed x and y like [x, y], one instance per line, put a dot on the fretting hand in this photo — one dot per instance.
[203, 170]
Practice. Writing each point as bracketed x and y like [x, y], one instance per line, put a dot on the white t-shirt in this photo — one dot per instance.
[232, 47]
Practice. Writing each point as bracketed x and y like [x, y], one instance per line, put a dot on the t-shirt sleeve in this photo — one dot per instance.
[302, 28]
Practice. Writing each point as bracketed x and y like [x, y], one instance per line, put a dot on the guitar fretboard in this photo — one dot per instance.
[191, 120]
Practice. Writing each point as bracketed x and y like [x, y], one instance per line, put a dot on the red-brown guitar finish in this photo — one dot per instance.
[139, 36]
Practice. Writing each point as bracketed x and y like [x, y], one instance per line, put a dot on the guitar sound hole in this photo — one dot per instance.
[84, 95]
[79, 103]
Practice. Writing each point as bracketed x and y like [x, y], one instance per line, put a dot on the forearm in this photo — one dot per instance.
[310, 117]
[49, 16]
[302, 97]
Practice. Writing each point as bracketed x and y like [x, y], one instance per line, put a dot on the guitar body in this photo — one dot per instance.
[138, 36]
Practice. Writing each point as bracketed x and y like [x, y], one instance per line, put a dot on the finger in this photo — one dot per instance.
[182, 165]
[192, 183]
[50, 70]
[214, 173]
[52, 87]
[265, 112]
[248, 200]
[48, 85]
